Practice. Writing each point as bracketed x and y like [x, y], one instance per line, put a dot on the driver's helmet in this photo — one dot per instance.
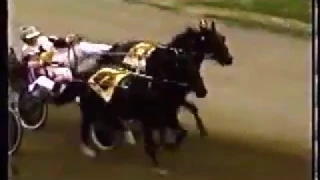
[29, 32]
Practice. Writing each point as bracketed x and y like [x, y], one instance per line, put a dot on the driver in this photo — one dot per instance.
[38, 51]
[49, 79]
[34, 42]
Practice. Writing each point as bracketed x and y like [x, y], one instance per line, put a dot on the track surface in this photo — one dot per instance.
[257, 111]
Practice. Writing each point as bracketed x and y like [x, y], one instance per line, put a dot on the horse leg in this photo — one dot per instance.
[129, 136]
[181, 133]
[150, 146]
[151, 149]
[194, 110]
[123, 127]
[86, 121]
[163, 139]
[174, 123]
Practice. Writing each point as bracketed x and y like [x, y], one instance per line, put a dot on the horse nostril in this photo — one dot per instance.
[230, 59]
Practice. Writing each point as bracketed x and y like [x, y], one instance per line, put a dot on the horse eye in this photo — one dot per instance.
[202, 38]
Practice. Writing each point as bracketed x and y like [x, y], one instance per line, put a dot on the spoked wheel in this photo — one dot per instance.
[33, 111]
[102, 137]
[15, 133]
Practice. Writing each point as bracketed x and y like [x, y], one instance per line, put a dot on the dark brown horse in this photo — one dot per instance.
[195, 43]
[146, 100]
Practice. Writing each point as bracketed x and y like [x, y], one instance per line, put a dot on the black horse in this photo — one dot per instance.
[144, 98]
[194, 43]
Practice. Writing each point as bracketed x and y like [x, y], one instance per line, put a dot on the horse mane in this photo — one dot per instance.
[179, 39]
[123, 45]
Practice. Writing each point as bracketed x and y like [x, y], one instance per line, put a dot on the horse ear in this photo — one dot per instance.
[223, 38]
[189, 30]
[213, 26]
[203, 24]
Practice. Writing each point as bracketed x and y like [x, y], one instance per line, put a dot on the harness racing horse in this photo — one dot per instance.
[123, 95]
[194, 43]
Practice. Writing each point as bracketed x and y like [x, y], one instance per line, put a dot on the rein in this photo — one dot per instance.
[152, 79]
[176, 50]
[76, 59]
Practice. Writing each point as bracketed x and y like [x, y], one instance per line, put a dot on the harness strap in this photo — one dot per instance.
[73, 70]
[57, 64]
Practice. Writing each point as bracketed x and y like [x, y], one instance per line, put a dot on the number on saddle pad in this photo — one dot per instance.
[143, 49]
[101, 78]
[105, 80]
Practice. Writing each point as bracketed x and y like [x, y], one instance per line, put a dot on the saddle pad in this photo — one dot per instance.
[104, 81]
[137, 55]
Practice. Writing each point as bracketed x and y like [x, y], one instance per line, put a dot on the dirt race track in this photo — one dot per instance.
[257, 111]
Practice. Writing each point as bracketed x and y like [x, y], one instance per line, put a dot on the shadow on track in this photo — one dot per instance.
[53, 153]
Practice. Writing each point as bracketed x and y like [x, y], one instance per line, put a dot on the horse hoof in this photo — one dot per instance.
[204, 134]
[87, 151]
[77, 100]
[162, 172]
[129, 137]
[181, 136]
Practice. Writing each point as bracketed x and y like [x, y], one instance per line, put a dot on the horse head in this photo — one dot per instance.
[205, 40]
[182, 71]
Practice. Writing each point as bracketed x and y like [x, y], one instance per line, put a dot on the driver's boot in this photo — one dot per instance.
[41, 93]
[58, 88]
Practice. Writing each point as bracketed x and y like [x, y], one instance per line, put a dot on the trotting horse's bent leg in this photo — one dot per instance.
[180, 132]
[87, 111]
[174, 123]
[151, 149]
[150, 146]
[194, 110]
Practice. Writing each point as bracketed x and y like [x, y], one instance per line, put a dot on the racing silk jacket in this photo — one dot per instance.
[44, 43]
